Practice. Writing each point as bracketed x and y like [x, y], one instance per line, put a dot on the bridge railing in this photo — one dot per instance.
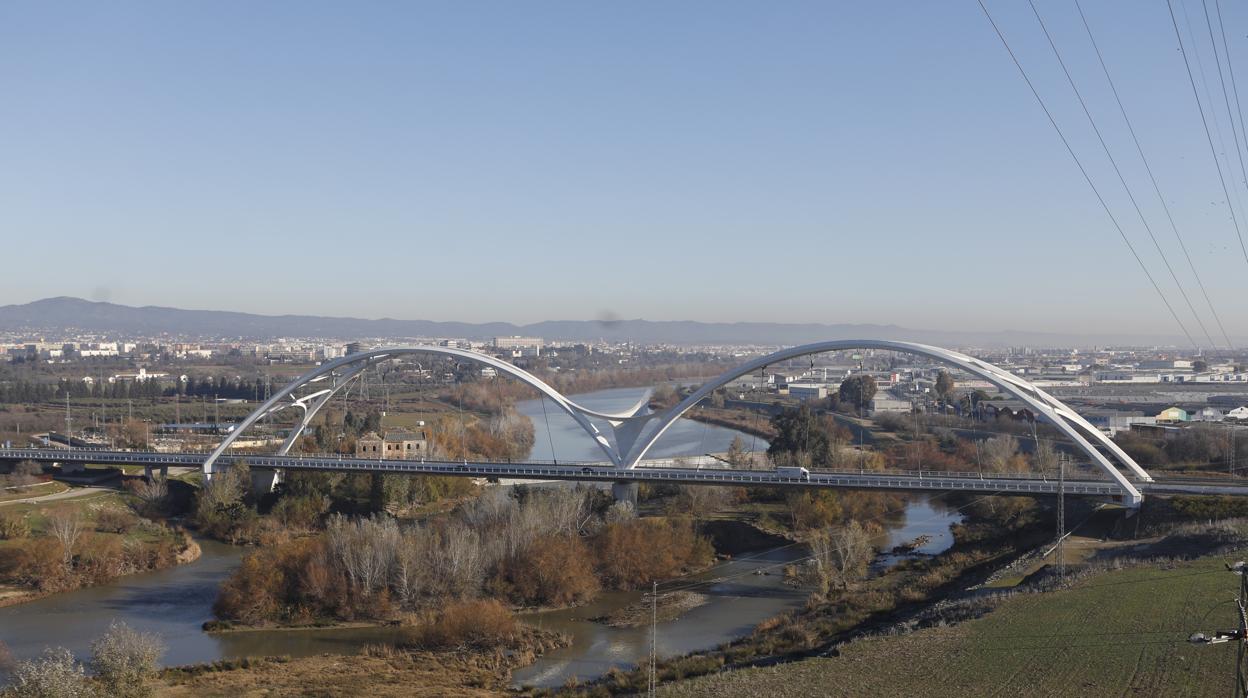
[273, 460]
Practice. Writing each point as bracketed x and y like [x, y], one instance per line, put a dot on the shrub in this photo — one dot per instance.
[124, 658]
[56, 674]
[13, 526]
[554, 569]
[636, 552]
[111, 520]
[36, 564]
[481, 623]
[301, 511]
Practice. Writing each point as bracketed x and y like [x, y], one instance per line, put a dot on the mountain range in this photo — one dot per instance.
[67, 315]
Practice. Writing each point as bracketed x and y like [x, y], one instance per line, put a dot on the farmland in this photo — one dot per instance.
[1122, 633]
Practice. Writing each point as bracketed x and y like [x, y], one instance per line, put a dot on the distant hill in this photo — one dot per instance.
[56, 315]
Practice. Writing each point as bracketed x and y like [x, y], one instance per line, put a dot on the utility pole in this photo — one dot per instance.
[69, 439]
[1239, 635]
[654, 622]
[1061, 518]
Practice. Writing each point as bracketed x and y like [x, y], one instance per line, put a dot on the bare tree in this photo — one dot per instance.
[55, 674]
[124, 658]
[701, 500]
[365, 550]
[839, 556]
[1045, 458]
[999, 451]
[737, 456]
[66, 525]
[463, 565]
[152, 493]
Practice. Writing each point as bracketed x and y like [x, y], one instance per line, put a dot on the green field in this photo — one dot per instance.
[1118, 633]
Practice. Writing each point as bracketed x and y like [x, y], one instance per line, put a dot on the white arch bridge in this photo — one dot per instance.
[633, 432]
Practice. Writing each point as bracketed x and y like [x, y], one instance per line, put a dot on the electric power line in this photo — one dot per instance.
[1078, 163]
[1230, 67]
[1114, 164]
[1226, 99]
[1208, 135]
[1152, 178]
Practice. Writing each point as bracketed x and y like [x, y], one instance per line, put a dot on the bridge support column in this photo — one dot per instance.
[149, 472]
[263, 480]
[625, 492]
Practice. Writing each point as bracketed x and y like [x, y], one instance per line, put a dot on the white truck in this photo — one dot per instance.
[794, 472]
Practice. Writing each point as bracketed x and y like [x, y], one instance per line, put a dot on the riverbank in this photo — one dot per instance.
[14, 595]
[750, 423]
[667, 608]
[377, 671]
[821, 623]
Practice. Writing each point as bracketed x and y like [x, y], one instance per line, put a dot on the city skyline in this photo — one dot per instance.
[809, 164]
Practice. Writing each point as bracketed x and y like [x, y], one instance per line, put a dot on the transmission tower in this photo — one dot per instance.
[1239, 636]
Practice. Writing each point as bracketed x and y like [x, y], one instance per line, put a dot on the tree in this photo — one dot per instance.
[56, 674]
[737, 456]
[124, 658]
[1200, 365]
[799, 431]
[857, 390]
[944, 385]
[840, 556]
[66, 526]
[999, 451]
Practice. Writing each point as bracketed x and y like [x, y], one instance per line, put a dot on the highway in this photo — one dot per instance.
[648, 471]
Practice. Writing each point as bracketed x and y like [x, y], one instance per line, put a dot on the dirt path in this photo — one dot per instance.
[71, 493]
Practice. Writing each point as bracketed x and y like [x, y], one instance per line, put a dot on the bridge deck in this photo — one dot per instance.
[653, 471]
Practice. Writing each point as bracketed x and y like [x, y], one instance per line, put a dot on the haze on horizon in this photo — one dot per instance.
[718, 162]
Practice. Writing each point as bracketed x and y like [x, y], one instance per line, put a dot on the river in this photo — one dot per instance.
[176, 602]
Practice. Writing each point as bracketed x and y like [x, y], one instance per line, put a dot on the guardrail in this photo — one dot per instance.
[294, 460]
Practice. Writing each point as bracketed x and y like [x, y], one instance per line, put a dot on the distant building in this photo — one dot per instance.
[393, 445]
[1237, 413]
[1173, 414]
[1114, 421]
[1208, 414]
[353, 348]
[808, 391]
[520, 346]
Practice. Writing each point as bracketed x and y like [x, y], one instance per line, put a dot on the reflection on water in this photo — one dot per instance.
[571, 443]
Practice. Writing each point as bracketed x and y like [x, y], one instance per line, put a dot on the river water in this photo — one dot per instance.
[176, 602]
[567, 441]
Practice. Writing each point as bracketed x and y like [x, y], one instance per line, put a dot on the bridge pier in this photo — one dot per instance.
[264, 480]
[625, 492]
[148, 471]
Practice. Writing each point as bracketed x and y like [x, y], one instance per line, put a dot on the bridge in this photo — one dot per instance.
[626, 437]
[1025, 484]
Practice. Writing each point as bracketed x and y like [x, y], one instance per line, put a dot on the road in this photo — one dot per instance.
[75, 492]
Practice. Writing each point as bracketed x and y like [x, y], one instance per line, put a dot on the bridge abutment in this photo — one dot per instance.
[264, 480]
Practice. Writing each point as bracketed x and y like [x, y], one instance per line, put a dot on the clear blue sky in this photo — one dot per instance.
[823, 161]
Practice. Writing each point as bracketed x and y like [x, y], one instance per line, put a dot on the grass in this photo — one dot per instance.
[32, 491]
[1117, 633]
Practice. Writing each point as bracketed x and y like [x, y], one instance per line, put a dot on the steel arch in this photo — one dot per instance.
[1062, 417]
[352, 365]
[630, 426]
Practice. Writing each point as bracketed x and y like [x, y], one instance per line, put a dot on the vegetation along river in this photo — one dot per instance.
[176, 602]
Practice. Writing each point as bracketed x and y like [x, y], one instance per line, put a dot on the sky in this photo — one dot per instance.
[829, 162]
